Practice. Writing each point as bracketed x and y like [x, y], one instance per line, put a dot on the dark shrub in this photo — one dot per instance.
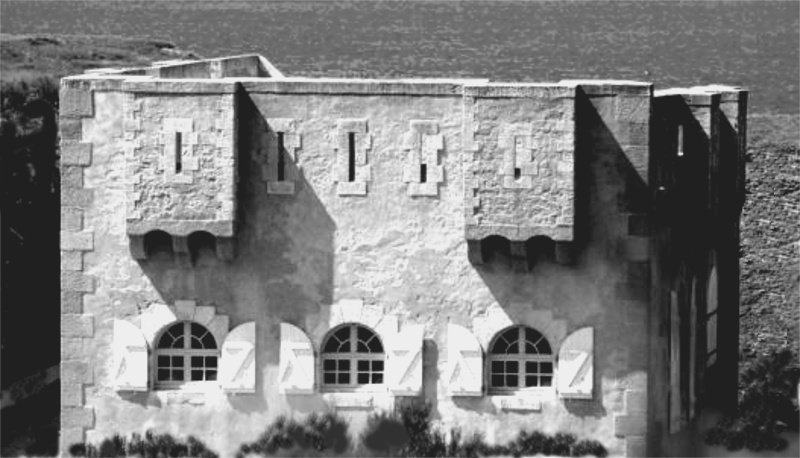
[589, 447]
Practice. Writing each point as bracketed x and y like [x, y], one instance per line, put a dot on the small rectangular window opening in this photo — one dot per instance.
[680, 140]
[281, 158]
[178, 153]
[517, 173]
[423, 173]
[351, 170]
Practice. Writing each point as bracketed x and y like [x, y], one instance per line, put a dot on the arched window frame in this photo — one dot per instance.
[207, 365]
[376, 361]
[545, 378]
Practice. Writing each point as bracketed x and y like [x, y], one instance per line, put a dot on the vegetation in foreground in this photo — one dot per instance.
[408, 432]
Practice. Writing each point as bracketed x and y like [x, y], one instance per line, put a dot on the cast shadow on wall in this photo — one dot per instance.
[582, 281]
[275, 275]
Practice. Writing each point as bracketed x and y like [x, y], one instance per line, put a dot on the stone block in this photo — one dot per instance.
[71, 219]
[71, 394]
[73, 325]
[81, 198]
[75, 153]
[77, 281]
[76, 99]
[72, 260]
[184, 309]
[69, 436]
[77, 417]
[638, 225]
[635, 446]
[70, 129]
[280, 187]
[71, 348]
[71, 177]
[71, 301]
[635, 248]
[629, 425]
[77, 241]
[76, 372]
[351, 188]
[636, 402]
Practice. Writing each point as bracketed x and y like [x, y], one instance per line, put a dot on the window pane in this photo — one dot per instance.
[361, 347]
[512, 380]
[163, 374]
[363, 365]
[211, 375]
[331, 345]
[344, 379]
[163, 361]
[329, 378]
[375, 345]
[197, 361]
[497, 366]
[363, 333]
[512, 366]
[497, 380]
[211, 361]
[547, 368]
[197, 375]
[177, 361]
[377, 378]
[531, 380]
[178, 343]
[329, 365]
[208, 342]
[546, 381]
[377, 366]
[344, 364]
[363, 379]
[177, 375]
[196, 343]
[530, 349]
[531, 367]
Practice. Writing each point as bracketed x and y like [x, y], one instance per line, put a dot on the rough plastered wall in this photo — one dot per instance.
[387, 240]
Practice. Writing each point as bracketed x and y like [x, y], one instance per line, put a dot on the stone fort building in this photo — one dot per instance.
[237, 245]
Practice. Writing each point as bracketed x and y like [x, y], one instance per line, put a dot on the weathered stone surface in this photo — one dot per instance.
[77, 241]
[77, 325]
[75, 153]
[77, 281]
[182, 167]
[76, 372]
[522, 169]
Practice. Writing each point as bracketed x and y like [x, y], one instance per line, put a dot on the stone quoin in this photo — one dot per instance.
[238, 244]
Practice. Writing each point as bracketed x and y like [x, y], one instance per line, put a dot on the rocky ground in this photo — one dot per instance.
[770, 238]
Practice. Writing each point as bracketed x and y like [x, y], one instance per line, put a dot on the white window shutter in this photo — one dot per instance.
[130, 357]
[576, 365]
[237, 365]
[404, 365]
[296, 367]
[464, 375]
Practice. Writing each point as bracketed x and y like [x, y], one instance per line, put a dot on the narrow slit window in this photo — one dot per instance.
[351, 171]
[680, 140]
[517, 173]
[423, 173]
[281, 158]
[178, 153]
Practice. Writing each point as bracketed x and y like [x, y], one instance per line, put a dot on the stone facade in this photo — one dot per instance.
[592, 223]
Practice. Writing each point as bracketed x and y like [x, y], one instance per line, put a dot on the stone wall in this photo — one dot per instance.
[337, 220]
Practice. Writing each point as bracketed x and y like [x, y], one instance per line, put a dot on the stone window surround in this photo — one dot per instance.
[159, 317]
[486, 327]
[522, 358]
[187, 352]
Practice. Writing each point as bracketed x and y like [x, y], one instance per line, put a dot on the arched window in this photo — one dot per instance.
[186, 352]
[352, 355]
[519, 358]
